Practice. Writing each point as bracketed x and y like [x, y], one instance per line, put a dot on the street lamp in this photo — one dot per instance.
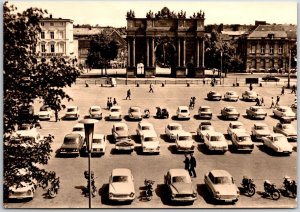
[221, 66]
[289, 70]
[89, 132]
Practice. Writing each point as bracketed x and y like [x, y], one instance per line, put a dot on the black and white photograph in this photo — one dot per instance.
[149, 104]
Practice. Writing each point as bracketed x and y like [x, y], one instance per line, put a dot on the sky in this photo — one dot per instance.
[113, 13]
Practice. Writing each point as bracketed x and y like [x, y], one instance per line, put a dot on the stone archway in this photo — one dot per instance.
[165, 55]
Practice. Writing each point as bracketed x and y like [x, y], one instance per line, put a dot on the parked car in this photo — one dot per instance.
[249, 96]
[115, 113]
[150, 142]
[294, 108]
[72, 112]
[213, 95]
[121, 185]
[221, 186]
[45, 113]
[284, 113]
[231, 96]
[120, 133]
[205, 112]
[230, 112]
[184, 142]
[79, 128]
[32, 135]
[270, 78]
[241, 141]
[256, 112]
[183, 112]
[215, 141]
[72, 144]
[172, 130]
[98, 144]
[95, 112]
[135, 113]
[235, 126]
[287, 130]
[180, 187]
[144, 127]
[203, 128]
[260, 130]
[278, 143]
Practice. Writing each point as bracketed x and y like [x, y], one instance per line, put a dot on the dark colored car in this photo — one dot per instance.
[213, 95]
[72, 144]
[270, 78]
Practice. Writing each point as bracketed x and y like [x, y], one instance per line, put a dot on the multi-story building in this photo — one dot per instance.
[56, 38]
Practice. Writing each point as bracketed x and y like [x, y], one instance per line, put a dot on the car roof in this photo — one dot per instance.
[184, 133]
[121, 171]
[260, 124]
[220, 173]
[178, 172]
[238, 133]
[95, 106]
[116, 107]
[71, 106]
[73, 135]
[205, 123]
[174, 124]
[120, 124]
[211, 133]
[98, 136]
[79, 125]
[143, 123]
[236, 123]
[150, 133]
[135, 107]
[183, 107]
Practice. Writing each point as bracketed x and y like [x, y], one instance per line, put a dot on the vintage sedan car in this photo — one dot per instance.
[203, 129]
[45, 113]
[215, 141]
[184, 142]
[270, 78]
[33, 135]
[260, 130]
[284, 113]
[115, 113]
[120, 133]
[230, 112]
[256, 112]
[98, 144]
[213, 95]
[72, 112]
[144, 127]
[287, 130]
[121, 185]
[241, 141]
[204, 112]
[294, 108]
[79, 128]
[183, 112]
[135, 113]
[150, 142]
[72, 144]
[221, 186]
[235, 126]
[231, 96]
[278, 143]
[249, 96]
[180, 186]
[95, 112]
[172, 130]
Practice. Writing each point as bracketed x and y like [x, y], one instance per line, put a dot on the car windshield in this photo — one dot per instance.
[279, 139]
[244, 138]
[288, 127]
[207, 127]
[115, 110]
[44, 108]
[205, 109]
[149, 139]
[175, 128]
[146, 128]
[184, 111]
[223, 180]
[97, 141]
[95, 109]
[184, 138]
[120, 128]
[70, 141]
[237, 127]
[134, 110]
[251, 92]
[230, 93]
[180, 179]
[261, 127]
[77, 129]
[120, 179]
[71, 110]
[215, 138]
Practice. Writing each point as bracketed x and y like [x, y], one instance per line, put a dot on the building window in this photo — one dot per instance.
[52, 35]
[43, 47]
[253, 49]
[42, 35]
[42, 24]
[262, 49]
[271, 49]
[61, 35]
[280, 49]
[51, 24]
[52, 48]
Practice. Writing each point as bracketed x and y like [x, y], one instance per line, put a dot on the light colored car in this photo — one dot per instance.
[184, 142]
[172, 130]
[287, 130]
[79, 128]
[221, 186]
[98, 144]
[180, 186]
[230, 112]
[144, 127]
[183, 112]
[205, 112]
[294, 108]
[260, 130]
[150, 142]
[72, 144]
[120, 133]
[249, 96]
[32, 135]
[72, 112]
[256, 112]
[121, 185]
[231, 96]
[235, 126]
[284, 112]
[203, 129]
[135, 113]
[278, 143]
[115, 113]
[213, 95]
[241, 141]
[215, 141]
[95, 112]
[45, 113]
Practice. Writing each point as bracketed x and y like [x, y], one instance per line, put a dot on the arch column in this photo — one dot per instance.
[153, 55]
[197, 54]
[203, 52]
[147, 53]
[133, 52]
[179, 53]
[128, 54]
[184, 52]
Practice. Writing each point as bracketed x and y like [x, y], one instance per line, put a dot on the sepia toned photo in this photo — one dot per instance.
[139, 104]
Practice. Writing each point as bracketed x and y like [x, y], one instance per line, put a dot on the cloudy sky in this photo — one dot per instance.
[113, 13]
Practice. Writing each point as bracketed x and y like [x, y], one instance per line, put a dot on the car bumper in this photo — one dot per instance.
[151, 150]
[127, 148]
[226, 199]
[203, 115]
[183, 116]
[69, 116]
[20, 195]
[184, 199]
[292, 138]
[135, 117]
[115, 117]
[222, 149]
[96, 116]
[44, 117]
[66, 152]
[245, 147]
[260, 116]
[185, 149]
[121, 197]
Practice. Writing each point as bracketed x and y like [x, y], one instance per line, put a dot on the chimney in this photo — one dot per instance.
[50, 15]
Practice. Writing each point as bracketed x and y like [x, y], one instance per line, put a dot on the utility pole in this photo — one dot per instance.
[221, 67]
[289, 71]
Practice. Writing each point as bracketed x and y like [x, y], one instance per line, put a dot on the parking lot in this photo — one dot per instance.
[259, 165]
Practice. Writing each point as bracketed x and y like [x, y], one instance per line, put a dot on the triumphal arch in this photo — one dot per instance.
[165, 39]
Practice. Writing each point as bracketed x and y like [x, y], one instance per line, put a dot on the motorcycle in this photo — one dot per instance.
[149, 189]
[271, 190]
[290, 186]
[52, 192]
[162, 113]
[146, 113]
[248, 186]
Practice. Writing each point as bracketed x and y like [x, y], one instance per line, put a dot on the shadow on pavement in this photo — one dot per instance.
[165, 138]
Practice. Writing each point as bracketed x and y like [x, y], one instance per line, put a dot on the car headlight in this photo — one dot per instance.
[110, 195]
[29, 192]
[131, 194]
[158, 147]
[173, 195]
[194, 194]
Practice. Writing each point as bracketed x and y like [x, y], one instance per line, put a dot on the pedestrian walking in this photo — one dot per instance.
[56, 115]
[110, 102]
[151, 88]
[282, 90]
[277, 101]
[115, 102]
[250, 87]
[191, 103]
[186, 162]
[194, 101]
[294, 89]
[257, 101]
[272, 103]
[192, 166]
[262, 102]
[128, 94]
[107, 103]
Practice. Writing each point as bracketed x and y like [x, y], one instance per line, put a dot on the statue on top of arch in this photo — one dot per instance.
[199, 14]
[150, 14]
[181, 14]
[130, 14]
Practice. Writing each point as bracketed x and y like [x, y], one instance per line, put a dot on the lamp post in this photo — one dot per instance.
[89, 132]
[221, 66]
[289, 70]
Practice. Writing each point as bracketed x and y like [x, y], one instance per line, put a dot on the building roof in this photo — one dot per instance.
[263, 31]
[87, 31]
[57, 19]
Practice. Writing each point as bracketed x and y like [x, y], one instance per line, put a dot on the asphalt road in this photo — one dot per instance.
[259, 165]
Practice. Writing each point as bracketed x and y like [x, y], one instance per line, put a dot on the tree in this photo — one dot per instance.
[102, 49]
[26, 79]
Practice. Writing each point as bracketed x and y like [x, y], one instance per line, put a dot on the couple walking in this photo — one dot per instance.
[190, 164]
